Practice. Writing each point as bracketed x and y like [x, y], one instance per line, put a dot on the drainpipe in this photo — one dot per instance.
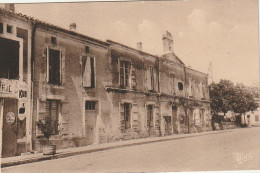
[32, 77]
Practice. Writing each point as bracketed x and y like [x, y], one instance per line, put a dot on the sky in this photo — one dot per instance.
[221, 32]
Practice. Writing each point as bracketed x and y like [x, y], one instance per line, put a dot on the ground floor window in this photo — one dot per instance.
[256, 117]
[125, 114]
[53, 111]
[149, 115]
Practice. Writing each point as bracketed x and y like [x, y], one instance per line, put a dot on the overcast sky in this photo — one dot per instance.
[222, 32]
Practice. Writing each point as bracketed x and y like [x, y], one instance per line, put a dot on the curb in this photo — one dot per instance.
[68, 154]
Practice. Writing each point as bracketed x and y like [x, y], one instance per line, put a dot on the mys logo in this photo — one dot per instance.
[243, 157]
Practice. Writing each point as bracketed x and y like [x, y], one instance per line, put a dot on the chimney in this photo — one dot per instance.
[9, 7]
[167, 42]
[139, 46]
[73, 26]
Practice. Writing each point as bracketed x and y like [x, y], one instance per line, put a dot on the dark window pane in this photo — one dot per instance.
[54, 67]
[9, 59]
[9, 29]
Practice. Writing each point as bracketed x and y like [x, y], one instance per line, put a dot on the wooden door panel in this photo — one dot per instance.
[9, 137]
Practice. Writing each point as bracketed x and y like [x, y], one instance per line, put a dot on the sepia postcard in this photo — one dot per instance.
[129, 86]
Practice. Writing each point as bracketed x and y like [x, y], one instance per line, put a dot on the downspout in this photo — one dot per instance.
[185, 96]
[32, 78]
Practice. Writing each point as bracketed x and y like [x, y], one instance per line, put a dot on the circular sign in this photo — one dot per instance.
[10, 118]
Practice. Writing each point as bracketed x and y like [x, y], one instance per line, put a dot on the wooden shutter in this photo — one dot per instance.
[122, 116]
[155, 80]
[133, 77]
[148, 79]
[87, 73]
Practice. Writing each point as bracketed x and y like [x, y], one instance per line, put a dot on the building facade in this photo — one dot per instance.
[98, 91]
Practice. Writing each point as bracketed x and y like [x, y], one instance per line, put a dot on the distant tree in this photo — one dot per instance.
[221, 95]
[244, 100]
[225, 96]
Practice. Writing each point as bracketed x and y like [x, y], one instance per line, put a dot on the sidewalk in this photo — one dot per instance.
[17, 160]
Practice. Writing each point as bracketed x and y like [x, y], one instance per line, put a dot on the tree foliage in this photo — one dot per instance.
[225, 96]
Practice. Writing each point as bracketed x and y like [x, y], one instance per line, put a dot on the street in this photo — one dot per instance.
[238, 149]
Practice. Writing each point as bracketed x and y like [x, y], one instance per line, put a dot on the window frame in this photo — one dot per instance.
[150, 115]
[48, 65]
[13, 37]
[58, 111]
[126, 79]
[91, 105]
[93, 75]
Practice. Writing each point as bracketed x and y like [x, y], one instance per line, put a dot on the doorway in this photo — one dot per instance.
[91, 119]
[174, 119]
[9, 136]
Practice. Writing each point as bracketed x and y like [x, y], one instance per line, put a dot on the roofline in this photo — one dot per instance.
[120, 44]
[196, 71]
[45, 25]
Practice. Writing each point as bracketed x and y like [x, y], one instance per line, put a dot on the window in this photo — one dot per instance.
[1, 28]
[54, 66]
[150, 79]
[125, 115]
[53, 111]
[90, 105]
[124, 73]
[256, 117]
[9, 59]
[53, 40]
[86, 49]
[88, 72]
[180, 86]
[9, 29]
[149, 115]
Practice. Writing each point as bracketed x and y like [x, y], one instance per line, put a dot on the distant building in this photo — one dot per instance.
[252, 118]
[98, 91]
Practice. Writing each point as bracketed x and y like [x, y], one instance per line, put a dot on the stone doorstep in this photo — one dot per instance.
[30, 158]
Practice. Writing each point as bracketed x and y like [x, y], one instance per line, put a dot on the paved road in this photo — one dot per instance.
[234, 150]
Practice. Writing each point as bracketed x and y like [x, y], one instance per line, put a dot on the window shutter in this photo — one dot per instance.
[122, 116]
[133, 77]
[148, 80]
[154, 80]
[87, 73]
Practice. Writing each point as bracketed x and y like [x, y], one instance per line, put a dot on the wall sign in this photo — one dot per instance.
[10, 118]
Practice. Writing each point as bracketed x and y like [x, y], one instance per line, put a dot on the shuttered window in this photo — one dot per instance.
[125, 115]
[150, 79]
[54, 66]
[124, 73]
[88, 72]
[149, 115]
[53, 110]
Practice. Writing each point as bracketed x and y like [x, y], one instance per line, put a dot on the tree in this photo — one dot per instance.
[221, 95]
[244, 100]
[225, 96]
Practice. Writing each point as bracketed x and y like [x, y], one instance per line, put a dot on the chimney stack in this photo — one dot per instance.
[10, 7]
[167, 42]
[139, 46]
[73, 26]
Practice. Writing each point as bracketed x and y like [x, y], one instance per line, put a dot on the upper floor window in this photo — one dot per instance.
[180, 86]
[9, 59]
[150, 79]
[54, 66]
[88, 65]
[1, 27]
[124, 73]
[256, 117]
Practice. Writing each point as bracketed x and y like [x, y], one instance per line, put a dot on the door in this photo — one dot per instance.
[174, 119]
[9, 136]
[91, 118]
